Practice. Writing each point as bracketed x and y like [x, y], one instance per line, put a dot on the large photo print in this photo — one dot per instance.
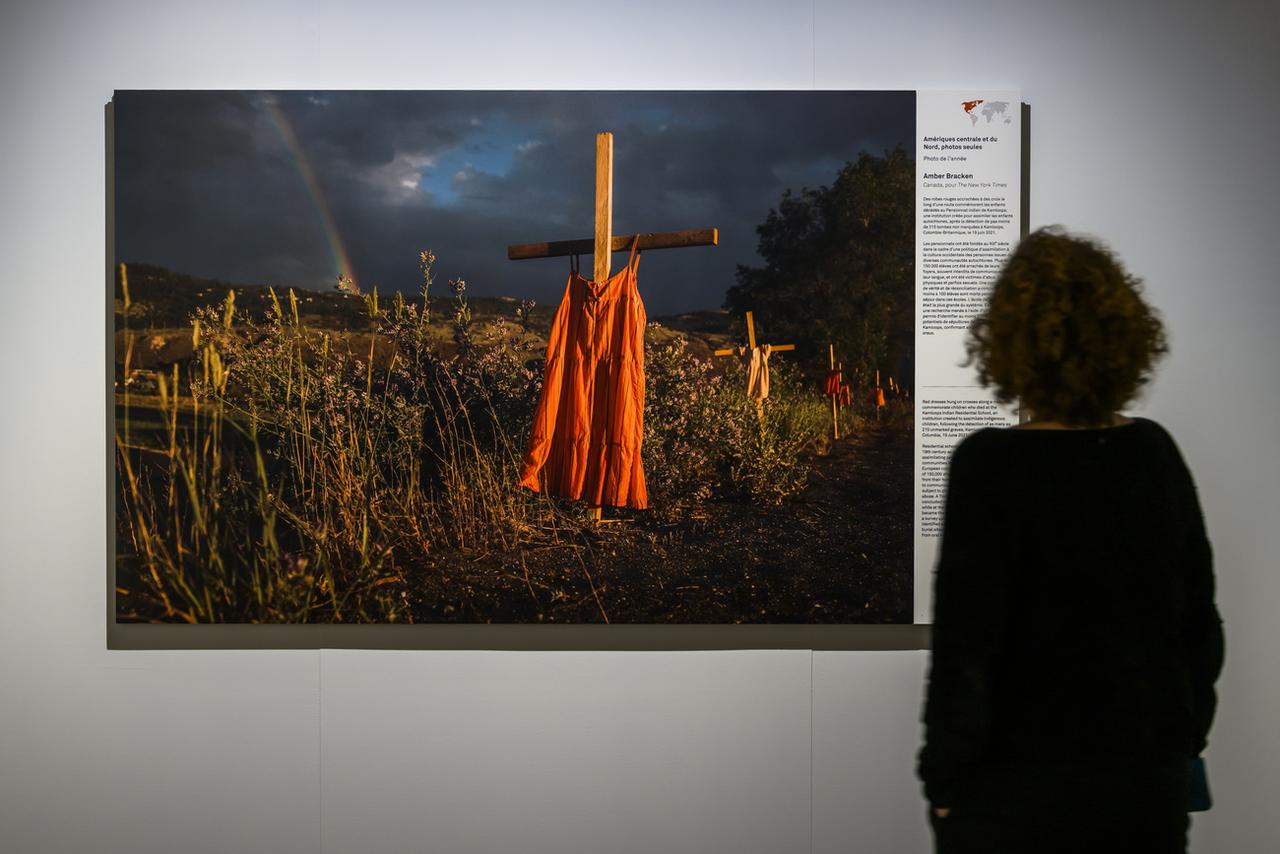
[514, 357]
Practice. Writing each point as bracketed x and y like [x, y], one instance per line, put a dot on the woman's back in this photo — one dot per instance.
[1100, 540]
[1075, 637]
[1074, 631]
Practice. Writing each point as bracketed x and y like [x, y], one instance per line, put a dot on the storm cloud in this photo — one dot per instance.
[236, 185]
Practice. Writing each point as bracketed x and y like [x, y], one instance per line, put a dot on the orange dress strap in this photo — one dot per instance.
[633, 261]
[634, 258]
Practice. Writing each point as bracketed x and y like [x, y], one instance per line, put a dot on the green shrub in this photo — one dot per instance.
[704, 435]
[769, 447]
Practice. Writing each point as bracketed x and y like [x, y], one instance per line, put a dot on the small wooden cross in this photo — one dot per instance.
[835, 412]
[751, 341]
[751, 345]
[605, 243]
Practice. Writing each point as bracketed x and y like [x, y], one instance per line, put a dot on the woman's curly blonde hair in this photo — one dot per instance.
[1066, 331]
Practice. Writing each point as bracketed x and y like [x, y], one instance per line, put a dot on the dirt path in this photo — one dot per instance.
[838, 553]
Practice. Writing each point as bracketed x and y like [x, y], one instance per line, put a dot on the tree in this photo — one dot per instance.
[840, 268]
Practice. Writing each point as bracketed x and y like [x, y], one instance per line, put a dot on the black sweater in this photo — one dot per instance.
[1074, 612]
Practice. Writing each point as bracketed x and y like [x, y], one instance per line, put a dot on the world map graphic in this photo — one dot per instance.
[991, 110]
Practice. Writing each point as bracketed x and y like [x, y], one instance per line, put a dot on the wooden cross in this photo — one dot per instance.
[751, 345]
[835, 412]
[751, 341]
[605, 243]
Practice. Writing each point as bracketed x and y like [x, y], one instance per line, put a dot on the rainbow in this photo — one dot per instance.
[338, 249]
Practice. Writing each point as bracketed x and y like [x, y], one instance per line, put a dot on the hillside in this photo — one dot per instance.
[162, 301]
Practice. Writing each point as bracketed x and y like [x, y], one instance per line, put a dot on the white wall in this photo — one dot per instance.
[1153, 126]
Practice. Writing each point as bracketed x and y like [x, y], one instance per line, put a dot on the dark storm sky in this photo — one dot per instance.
[208, 183]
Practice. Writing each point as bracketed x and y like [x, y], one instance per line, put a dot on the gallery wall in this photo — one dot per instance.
[1153, 126]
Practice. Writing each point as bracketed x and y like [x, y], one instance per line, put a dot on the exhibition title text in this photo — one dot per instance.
[956, 143]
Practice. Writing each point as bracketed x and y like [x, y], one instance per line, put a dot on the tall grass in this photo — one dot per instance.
[310, 481]
[303, 476]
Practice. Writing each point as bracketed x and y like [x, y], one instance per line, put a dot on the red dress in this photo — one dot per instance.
[832, 384]
[587, 430]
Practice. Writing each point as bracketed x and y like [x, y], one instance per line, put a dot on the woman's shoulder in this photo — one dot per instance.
[987, 440]
[979, 445]
[999, 440]
[1150, 426]
[1142, 436]
[1161, 437]
[1154, 432]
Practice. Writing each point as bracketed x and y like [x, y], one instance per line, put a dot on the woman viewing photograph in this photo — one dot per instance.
[1075, 637]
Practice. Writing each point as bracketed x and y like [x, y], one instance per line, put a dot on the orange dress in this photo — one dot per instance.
[587, 429]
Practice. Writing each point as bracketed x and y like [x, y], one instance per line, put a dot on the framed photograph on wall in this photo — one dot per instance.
[541, 369]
